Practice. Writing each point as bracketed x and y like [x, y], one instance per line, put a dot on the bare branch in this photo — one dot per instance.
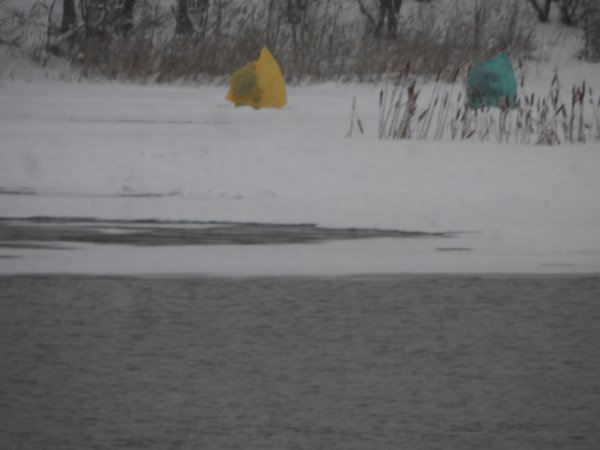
[366, 13]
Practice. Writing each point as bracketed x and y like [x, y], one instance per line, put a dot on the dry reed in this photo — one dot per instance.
[543, 120]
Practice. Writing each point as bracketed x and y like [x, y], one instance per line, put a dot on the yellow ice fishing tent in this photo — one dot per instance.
[258, 84]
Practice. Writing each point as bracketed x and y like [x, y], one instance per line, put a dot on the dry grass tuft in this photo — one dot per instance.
[546, 120]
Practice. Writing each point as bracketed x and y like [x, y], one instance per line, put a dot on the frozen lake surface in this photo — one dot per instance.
[410, 362]
[178, 153]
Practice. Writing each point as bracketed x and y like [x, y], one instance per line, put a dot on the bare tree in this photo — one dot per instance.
[93, 14]
[107, 16]
[183, 24]
[125, 20]
[69, 17]
[569, 9]
[198, 14]
[591, 29]
[296, 11]
[387, 14]
[296, 16]
[389, 10]
[101, 22]
[543, 11]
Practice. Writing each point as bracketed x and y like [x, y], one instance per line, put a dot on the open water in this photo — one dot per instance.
[390, 362]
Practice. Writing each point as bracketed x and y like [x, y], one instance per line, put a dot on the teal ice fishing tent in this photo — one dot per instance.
[492, 83]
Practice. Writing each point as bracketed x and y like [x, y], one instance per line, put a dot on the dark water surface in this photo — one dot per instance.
[398, 362]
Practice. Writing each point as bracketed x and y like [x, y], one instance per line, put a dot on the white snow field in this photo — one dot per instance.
[114, 151]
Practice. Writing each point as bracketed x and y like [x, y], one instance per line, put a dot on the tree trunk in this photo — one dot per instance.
[591, 28]
[69, 18]
[93, 13]
[201, 15]
[542, 11]
[183, 24]
[128, 8]
[388, 13]
[569, 11]
[124, 21]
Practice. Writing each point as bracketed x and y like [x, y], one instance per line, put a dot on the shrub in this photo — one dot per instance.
[322, 42]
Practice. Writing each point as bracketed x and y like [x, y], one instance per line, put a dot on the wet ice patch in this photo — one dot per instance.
[165, 233]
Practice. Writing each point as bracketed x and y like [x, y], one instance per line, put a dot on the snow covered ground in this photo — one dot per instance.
[116, 151]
